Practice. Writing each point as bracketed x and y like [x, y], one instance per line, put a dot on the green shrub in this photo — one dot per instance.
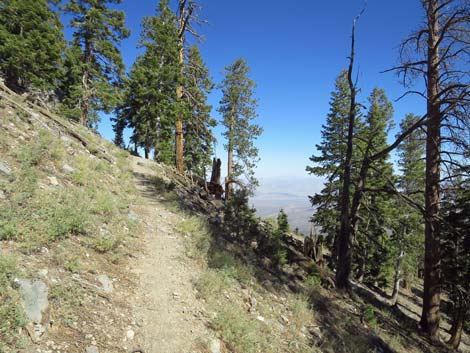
[11, 314]
[104, 243]
[368, 316]
[239, 331]
[313, 281]
[45, 146]
[198, 242]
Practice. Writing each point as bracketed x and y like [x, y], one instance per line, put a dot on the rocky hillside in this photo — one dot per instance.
[104, 252]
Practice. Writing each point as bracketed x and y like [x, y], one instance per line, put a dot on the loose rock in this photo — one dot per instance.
[106, 283]
[34, 298]
[4, 169]
[53, 181]
[92, 349]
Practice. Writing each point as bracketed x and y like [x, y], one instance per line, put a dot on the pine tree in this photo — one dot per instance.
[282, 222]
[198, 136]
[409, 234]
[455, 237]
[238, 109]
[98, 32]
[31, 44]
[329, 161]
[372, 251]
[150, 102]
[70, 85]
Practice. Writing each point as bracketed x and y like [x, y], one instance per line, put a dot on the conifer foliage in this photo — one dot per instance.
[198, 136]
[238, 109]
[31, 44]
[99, 31]
[149, 106]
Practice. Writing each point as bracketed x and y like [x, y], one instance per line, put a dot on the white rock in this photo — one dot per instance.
[92, 349]
[260, 318]
[68, 168]
[53, 181]
[130, 335]
[215, 346]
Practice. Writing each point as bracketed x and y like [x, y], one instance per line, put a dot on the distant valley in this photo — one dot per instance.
[289, 194]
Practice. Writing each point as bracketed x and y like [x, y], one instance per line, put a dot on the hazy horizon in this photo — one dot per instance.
[291, 195]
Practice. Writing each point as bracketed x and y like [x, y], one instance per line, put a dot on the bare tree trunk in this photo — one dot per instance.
[179, 138]
[343, 269]
[228, 181]
[397, 279]
[432, 292]
[85, 108]
[457, 327]
[146, 152]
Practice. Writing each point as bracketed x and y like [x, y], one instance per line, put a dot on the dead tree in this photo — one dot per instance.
[187, 17]
[439, 53]
[215, 187]
[344, 250]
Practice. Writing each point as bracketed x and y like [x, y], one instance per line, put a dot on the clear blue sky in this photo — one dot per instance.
[295, 50]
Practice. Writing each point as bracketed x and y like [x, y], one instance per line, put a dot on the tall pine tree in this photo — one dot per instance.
[198, 136]
[99, 31]
[151, 104]
[31, 44]
[238, 109]
[328, 163]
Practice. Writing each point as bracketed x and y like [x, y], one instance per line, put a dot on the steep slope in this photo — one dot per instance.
[104, 252]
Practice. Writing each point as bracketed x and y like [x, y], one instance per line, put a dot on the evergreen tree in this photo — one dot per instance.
[372, 251]
[199, 139]
[238, 109]
[455, 227]
[31, 44]
[98, 32]
[70, 85]
[150, 101]
[329, 161]
[282, 222]
[239, 217]
[409, 235]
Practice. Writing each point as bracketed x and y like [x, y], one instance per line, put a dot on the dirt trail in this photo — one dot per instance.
[165, 304]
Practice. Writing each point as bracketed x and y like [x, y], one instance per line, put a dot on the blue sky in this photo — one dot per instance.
[295, 50]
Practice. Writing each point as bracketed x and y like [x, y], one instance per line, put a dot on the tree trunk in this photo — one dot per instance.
[457, 327]
[397, 279]
[432, 297]
[179, 122]
[343, 269]
[146, 151]
[86, 97]
[228, 187]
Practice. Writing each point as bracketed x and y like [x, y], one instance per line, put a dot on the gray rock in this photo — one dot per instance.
[4, 169]
[215, 346]
[2, 195]
[68, 168]
[132, 216]
[106, 283]
[92, 349]
[34, 298]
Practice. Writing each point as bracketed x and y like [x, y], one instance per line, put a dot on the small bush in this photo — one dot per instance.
[368, 315]
[46, 146]
[239, 331]
[313, 281]
[198, 242]
[104, 243]
[12, 316]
